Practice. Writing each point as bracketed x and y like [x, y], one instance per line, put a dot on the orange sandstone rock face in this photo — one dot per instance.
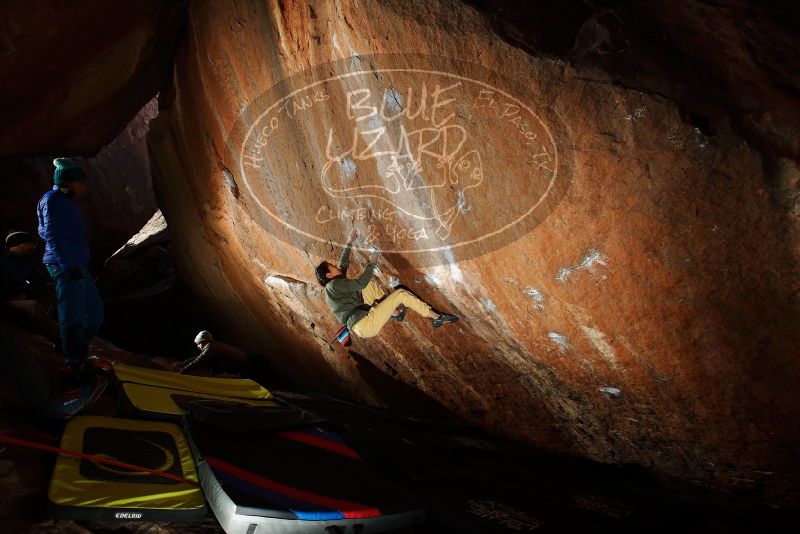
[627, 282]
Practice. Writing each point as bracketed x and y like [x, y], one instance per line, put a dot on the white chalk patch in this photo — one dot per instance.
[611, 391]
[394, 281]
[489, 305]
[636, 114]
[536, 296]
[463, 205]
[347, 169]
[455, 272]
[598, 339]
[355, 60]
[434, 279]
[372, 248]
[383, 165]
[592, 258]
[393, 100]
[559, 339]
[700, 139]
[230, 180]
[276, 281]
[285, 282]
[563, 273]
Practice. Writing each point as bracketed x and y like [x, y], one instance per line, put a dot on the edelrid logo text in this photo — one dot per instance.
[127, 515]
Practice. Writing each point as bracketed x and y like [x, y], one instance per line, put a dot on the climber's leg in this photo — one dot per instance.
[372, 292]
[380, 314]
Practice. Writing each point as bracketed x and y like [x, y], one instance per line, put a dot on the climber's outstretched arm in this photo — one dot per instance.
[344, 285]
[344, 259]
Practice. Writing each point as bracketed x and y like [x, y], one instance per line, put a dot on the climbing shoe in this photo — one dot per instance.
[444, 318]
[400, 315]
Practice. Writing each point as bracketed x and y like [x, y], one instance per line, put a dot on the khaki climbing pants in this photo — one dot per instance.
[380, 313]
[371, 293]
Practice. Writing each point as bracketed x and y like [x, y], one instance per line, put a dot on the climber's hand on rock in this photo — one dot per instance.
[374, 256]
[352, 237]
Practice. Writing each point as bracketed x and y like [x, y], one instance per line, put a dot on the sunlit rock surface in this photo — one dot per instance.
[645, 311]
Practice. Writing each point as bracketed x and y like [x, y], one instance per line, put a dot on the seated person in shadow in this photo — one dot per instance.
[215, 356]
[23, 287]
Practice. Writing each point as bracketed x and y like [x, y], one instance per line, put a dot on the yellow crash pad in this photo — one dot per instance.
[240, 388]
[81, 489]
[160, 401]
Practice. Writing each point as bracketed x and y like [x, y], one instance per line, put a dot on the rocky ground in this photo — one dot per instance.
[474, 482]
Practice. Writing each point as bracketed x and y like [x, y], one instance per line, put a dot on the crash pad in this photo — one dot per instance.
[82, 489]
[227, 387]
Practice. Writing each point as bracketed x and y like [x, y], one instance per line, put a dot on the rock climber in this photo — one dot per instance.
[219, 357]
[361, 304]
[66, 256]
[23, 288]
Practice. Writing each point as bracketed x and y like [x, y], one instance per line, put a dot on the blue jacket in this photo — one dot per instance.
[61, 228]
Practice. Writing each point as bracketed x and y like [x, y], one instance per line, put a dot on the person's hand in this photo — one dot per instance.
[75, 274]
[374, 256]
[352, 237]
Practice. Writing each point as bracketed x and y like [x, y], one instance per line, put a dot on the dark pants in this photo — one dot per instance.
[80, 312]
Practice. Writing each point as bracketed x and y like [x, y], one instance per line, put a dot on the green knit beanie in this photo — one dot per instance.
[67, 171]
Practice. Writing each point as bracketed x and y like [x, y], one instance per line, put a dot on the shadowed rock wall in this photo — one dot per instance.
[79, 77]
[646, 311]
[75, 73]
[120, 196]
